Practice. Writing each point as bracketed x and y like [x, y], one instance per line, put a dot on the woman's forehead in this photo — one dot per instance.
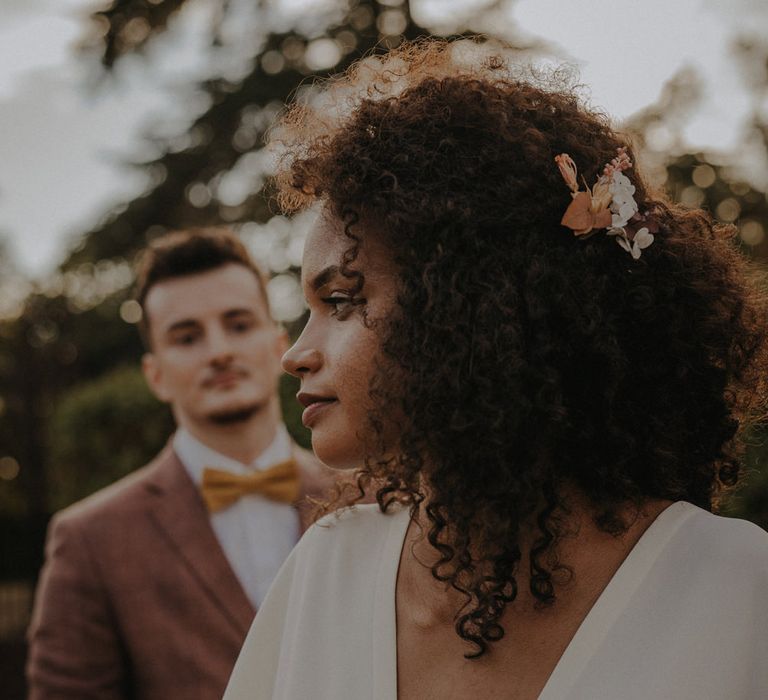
[326, 244]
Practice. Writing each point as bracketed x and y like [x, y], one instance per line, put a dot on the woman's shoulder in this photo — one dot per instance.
[717, 540]
[359, 515]
[364, 525]
[725, 529]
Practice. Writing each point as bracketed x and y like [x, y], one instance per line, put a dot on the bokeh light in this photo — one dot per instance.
[285, 298]
[198, 195]
[130, 311]
[692, 196]
[9, 468]
[752, 232]
[321, 54]
[728, 210]
[272, 62]
[392, 23]
[704, 176]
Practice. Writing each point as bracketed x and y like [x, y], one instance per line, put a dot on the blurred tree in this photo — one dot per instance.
[60, 338]
[102, 430]
[216, 171]
[12, 293]
[751, 52]
[189, 180]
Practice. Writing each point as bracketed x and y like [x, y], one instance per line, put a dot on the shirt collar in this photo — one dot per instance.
[195, 456]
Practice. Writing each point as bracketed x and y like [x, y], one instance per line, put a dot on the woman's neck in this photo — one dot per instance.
[590, 554]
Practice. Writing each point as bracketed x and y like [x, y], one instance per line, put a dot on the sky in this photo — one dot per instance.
[65, 138]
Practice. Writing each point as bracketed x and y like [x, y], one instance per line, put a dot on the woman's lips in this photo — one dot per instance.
[314, 405]
[314, 409]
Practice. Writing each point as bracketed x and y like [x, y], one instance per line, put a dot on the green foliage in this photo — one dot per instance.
[100, 431]
[751, 500]
[60, 341]
[12, 498]
[292, 411]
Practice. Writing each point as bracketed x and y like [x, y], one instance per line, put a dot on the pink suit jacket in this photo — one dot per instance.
[137, 599]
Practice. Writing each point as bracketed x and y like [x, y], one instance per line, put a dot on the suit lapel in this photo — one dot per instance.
[181, 517]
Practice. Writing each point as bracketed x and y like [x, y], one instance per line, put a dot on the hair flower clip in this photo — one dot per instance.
[610, 204]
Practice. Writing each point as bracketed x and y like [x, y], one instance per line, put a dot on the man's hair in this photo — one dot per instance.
[189, 252]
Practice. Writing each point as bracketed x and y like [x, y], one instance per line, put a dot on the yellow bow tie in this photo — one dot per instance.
[279, 483]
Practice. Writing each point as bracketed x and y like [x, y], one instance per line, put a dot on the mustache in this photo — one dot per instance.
[213, 376]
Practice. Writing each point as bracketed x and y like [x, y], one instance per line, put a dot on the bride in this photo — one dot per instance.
[543, 368]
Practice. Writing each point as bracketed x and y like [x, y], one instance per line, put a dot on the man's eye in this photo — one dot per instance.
[185, 339]
[241, 326]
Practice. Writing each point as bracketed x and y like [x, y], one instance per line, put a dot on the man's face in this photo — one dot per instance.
[215, 354]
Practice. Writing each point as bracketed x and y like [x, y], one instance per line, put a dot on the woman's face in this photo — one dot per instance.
[335, 356]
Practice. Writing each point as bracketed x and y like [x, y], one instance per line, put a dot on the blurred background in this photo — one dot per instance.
[121, 120]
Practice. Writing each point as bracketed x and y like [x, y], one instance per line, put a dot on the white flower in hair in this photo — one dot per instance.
[641, 240]
[621, 186]
[623, 204]
[623, 214]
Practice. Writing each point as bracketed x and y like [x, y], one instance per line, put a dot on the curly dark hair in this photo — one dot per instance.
[527, 360]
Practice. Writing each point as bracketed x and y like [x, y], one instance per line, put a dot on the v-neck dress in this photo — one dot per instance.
[685, 617]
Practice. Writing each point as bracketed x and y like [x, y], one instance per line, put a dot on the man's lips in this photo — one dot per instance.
[314, 404]
[224, 378]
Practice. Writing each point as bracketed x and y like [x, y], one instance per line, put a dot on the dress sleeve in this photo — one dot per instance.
[74, 649]
[255, 673]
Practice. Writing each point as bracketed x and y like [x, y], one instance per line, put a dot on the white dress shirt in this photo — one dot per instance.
[256, 534]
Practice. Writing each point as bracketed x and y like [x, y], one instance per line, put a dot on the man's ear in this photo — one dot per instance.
[153, 374]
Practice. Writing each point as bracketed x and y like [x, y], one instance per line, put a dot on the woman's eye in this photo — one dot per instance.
[341, 304]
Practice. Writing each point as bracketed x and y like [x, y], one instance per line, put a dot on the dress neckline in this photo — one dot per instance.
[614, 599]
[592, 630]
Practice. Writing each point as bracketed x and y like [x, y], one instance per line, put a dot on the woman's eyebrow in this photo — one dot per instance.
[324, 277]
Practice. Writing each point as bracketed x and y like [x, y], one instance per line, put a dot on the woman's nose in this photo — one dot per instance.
[301, 359]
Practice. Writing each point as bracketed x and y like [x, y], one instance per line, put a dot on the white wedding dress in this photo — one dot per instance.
[685, 617]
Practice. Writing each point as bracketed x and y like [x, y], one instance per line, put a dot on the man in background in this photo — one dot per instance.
[150, 585]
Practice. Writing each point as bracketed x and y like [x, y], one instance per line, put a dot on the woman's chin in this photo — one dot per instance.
[335, 455]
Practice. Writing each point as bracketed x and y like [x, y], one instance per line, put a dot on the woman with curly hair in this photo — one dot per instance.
[543, 368]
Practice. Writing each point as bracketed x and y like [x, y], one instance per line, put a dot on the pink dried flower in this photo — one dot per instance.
[620, 163]
[568, 171]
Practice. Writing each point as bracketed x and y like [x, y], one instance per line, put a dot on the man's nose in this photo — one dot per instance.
[219, 347]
